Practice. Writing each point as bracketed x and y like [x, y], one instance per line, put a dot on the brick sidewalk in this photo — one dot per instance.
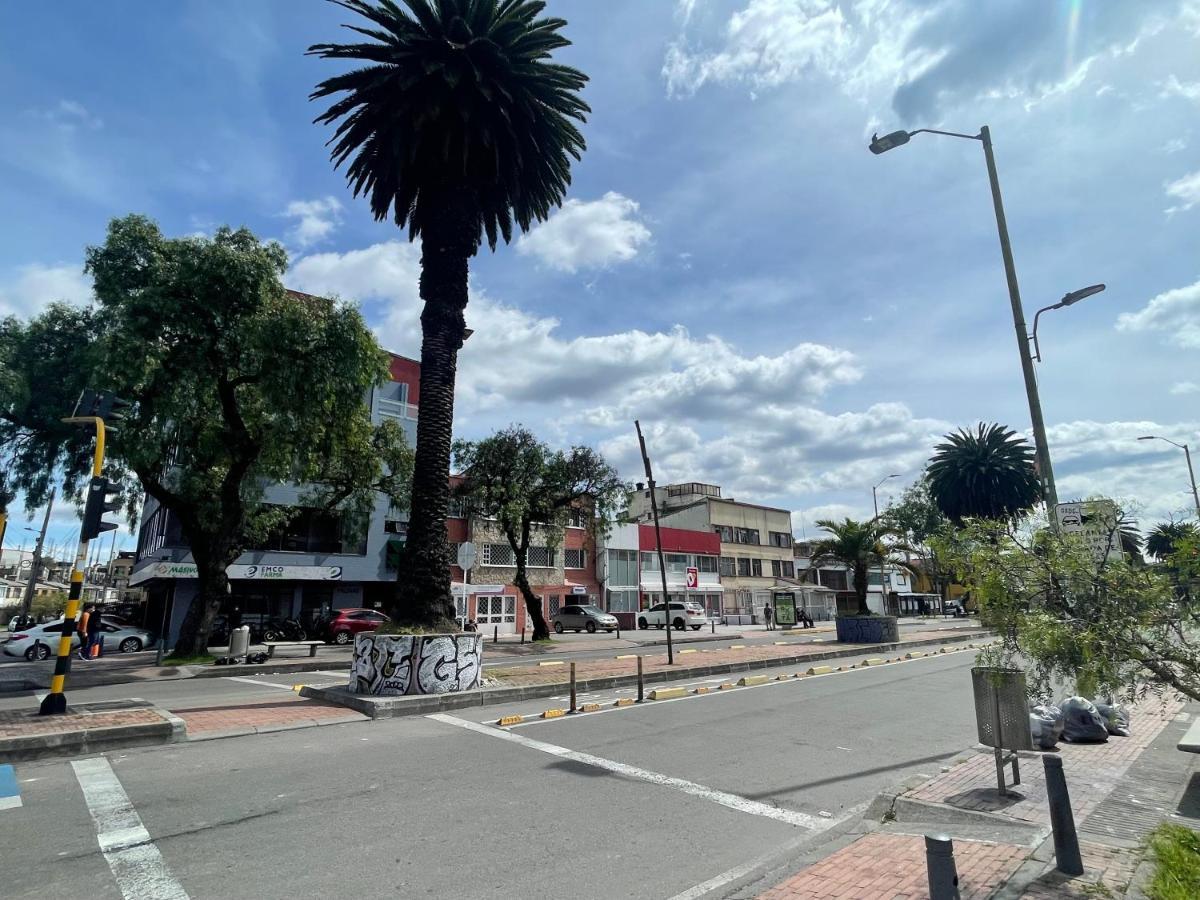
[1092, 771]
[261, 718]
[892, 867]
[522, 675]
[18, 723]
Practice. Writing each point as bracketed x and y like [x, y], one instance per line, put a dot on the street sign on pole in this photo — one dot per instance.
[466, 556]
[1095, 522]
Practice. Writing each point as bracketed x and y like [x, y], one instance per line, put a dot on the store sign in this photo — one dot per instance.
[240, 573]
[578, 589]
[693, 578]
[1095, 522]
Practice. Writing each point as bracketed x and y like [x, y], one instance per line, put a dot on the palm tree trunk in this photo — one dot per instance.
[449, 241]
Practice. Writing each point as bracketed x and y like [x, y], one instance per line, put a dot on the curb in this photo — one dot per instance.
[92, 740]
[390, 707]
[244, 730]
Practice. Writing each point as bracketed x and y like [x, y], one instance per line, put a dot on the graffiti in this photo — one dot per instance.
[449, 663]
[867, 630]
[393, 664]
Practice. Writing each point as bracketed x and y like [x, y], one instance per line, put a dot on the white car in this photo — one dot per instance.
[41, 641]
[682, 615]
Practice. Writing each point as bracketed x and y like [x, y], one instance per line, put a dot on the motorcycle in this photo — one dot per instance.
[285, 630]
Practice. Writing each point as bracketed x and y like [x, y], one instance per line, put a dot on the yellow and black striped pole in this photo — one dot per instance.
[55, 702]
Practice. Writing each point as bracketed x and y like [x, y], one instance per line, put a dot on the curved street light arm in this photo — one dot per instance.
[968, 137]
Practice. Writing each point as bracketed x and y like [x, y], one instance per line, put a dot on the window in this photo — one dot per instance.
[576, 518]
[743, 565]
[497, 555]
[575, 558]
[457, 508]
[622, 567]
[725, 531]
[394, 526]
[727, 565]
[649, 562]
[622, 601]
[833, 578]
[706, 563]
[873, 579]
[784, 568]
[776, 569]
[318, 531]
[677, 563]
[780, 539]
[540, 558]
[756, 568]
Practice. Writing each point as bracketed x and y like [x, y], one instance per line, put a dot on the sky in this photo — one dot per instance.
[788, 315]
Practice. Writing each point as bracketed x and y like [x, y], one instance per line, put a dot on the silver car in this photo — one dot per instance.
[583, 618]
[41, 641]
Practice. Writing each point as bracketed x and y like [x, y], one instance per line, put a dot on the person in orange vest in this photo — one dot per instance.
[84, 639]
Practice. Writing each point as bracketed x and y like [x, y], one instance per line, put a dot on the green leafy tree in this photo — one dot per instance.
[531, 490]
[236, 384]
[1109, 625]
[859, 546]
[1164, 537]
[454, 123]
[987, 473]
[916, 518]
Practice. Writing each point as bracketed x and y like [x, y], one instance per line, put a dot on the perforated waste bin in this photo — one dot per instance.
[239, 641]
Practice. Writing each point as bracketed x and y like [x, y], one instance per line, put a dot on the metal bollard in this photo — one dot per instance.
[714, 626]
[1062, 820]
[496, 635]
[618, 632]
[573, 706]
[939, 861]
[522, 634]
[641, 685]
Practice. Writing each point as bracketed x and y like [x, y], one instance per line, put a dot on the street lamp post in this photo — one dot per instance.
[896, 139]
[1188, 456]
[882, 577]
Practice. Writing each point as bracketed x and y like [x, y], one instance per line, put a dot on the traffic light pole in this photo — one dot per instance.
[55, 702]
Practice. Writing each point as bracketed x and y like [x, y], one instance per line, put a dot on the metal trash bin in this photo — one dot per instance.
[1002, 717]
[239, 641]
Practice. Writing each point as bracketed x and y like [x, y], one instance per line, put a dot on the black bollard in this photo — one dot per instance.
[641, 684]
[1062, 820]
[496, 635]
[522, 634]
[943, 873]
[573, 707]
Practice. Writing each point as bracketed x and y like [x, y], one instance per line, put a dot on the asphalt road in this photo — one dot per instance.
[646, 801]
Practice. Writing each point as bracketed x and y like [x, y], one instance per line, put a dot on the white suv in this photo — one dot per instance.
[682, 615]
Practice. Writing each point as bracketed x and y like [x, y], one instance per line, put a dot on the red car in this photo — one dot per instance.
[346, 623]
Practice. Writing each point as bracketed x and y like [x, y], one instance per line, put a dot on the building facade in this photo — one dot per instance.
[629, 574]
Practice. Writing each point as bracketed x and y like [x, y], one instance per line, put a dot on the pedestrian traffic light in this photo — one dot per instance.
[85, 406]
[111, 408]
[99, 503]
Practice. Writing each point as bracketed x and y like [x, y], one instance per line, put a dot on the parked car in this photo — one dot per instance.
[682, 615]
[580, 618]
[41, 641]
[346, 623]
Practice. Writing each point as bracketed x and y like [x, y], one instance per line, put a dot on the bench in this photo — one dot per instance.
[1191, 739]
[311, 645]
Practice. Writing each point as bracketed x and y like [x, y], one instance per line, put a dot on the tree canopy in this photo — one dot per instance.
[858, 546]
[985, 473]
[529, 488]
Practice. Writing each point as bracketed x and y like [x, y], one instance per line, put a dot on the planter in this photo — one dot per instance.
[394, 664]
[867, 629]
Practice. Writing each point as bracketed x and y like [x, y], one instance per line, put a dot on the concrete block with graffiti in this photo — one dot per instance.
[392, 664]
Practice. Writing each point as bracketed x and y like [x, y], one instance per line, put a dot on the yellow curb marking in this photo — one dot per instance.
[298, 687]
[819, 670]
[557, 662]
[737, 646]
[701, 690]
[668, 693]
[553, 713]
[874, 661]
[728, 685]
[626, 656]
[624, 701]
[590, 707]
[748, 680]
[689, 650]
[505, 721]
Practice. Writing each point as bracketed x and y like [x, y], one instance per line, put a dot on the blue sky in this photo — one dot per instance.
[789, 316]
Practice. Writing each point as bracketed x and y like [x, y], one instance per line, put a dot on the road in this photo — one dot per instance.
[646, 801]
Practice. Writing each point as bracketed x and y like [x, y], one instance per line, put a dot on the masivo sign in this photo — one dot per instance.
[240, 573]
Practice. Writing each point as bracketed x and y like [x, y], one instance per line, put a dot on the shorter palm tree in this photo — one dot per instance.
[1160, 543]
[985, 473]
[858, 546]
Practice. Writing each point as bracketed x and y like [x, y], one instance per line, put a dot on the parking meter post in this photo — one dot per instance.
[943, 873]
[641, 684]
[573, 706]
[1062, 820]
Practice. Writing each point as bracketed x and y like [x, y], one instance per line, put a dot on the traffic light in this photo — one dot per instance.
[99, 503]
[111, 408]
[86, 404]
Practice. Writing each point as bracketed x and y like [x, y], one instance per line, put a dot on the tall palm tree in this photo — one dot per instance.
[457, 125]
[858, 546]
[985, 473]
[1160, 543]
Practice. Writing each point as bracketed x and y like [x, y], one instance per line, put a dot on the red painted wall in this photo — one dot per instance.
[681, 540]
[407, 371]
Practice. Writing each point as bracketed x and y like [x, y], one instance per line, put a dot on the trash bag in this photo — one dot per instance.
[1046, 725]
[1116, 718]
[1081, 722]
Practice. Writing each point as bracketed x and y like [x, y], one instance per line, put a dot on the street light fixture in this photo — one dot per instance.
[1068, 300]
[875, 500]
[1045, 472]
[1188, 456]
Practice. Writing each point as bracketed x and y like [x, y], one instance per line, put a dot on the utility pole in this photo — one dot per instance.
[662, 568]
[27, 603]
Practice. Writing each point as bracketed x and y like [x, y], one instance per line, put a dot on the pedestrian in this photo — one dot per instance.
[93, 632]
[768, 617]
[82, 628]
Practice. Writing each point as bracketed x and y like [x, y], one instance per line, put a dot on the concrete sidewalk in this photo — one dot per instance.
[888, 860]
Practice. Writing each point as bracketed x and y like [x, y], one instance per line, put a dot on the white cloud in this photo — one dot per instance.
[1174, 145]
[315, 219]
[1186, 190]
[588, 234]
[1176, 312]
[1181, 388]
[36, 286]
[70, 115]
[1173, 87]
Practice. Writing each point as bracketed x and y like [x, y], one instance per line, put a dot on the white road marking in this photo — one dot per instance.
[324, 672]
[10, 802]
[718, 881]
[134, 859]
[722, 798]
[39, 696]
[244, 680]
